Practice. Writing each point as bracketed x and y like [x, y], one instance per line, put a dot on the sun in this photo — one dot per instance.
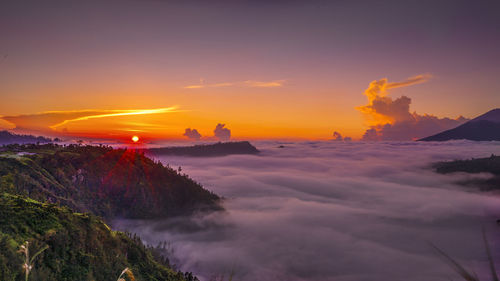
[135, 138]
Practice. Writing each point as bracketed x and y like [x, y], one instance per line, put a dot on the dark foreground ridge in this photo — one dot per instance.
[80, 246]
[481, 165]
[208, 150]
[104, 181]
[483, 128]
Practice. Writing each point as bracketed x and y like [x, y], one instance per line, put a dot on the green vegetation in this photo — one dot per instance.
[101, 180]
[481, 165]
[43, 238]
[77, 246]
[29, 260]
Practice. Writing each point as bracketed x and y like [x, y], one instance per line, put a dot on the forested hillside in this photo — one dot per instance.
[41, 187]
[489, 165]
[105, 181]
[80, 246]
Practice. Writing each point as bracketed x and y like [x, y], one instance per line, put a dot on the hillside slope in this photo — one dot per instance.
[105, 181]
[80, 246]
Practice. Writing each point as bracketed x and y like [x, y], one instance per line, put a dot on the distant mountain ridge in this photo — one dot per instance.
[489, 165]
[7, 137]
[485, 127]
[207, 150]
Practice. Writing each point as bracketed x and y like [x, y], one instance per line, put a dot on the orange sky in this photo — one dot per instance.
[252, 121]
[250, 109]
[266, 69]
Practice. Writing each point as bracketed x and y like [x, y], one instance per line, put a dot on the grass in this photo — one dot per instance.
[128, 273]
[461, 270]
[29, 262]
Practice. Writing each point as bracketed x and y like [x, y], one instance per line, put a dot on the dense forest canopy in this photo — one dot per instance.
[105, 181]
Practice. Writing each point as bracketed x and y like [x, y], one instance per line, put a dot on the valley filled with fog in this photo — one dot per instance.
[332, 211]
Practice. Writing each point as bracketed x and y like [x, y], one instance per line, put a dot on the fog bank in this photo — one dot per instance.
[332, 211]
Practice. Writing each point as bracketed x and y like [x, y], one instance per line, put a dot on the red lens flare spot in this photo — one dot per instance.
[135, 138]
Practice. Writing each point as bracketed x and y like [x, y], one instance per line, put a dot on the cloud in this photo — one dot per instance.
[53, 121]
[337, 136]
[217, 85]
[391, 119]
[115, 113]
[268, 84]
[422, 78]
[192, 134]
[331, 211]
[5, 125]
[419, 127]
[247, 83]
[223, 134]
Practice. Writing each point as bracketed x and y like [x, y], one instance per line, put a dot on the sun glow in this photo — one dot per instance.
[135, 138]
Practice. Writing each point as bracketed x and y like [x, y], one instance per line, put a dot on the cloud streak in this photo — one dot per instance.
[201, 86]
[247, 83]
[50, 121]
[116, 113]
[422, 78]
[268, 84]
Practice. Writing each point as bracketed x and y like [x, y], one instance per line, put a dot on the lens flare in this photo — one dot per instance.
[135, 138]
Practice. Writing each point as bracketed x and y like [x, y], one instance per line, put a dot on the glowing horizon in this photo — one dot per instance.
[301, 71]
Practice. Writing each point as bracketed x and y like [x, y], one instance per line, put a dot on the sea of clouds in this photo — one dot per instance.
[332, 211]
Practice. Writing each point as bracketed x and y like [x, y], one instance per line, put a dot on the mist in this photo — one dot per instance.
[332, 211]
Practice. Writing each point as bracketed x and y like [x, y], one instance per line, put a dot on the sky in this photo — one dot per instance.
[265, 69]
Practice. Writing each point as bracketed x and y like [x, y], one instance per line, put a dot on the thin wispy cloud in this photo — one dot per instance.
[422, 78]
[115, 113]
[217, 85]
[247, 83]
[50, 121]
[268, 84]
[133, 130]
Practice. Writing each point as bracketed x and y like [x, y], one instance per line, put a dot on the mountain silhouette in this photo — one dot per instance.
[7, 137]
[482, 128]
[207, 150]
